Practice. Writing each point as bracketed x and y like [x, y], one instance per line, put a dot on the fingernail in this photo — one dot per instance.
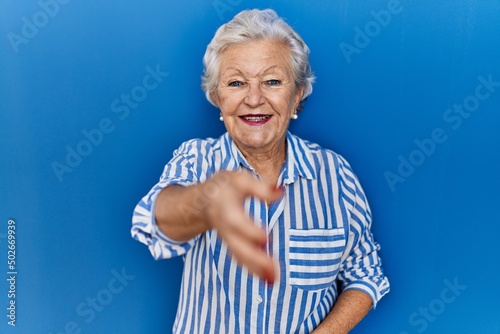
[269, 276]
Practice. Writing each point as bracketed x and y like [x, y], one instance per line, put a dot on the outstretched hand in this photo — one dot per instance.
[226, 193]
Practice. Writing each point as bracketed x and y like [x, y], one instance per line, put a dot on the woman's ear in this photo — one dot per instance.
[215, 97]
[297, 97]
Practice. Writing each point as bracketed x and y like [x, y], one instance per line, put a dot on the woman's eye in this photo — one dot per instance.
[235, 84]
[273, 82]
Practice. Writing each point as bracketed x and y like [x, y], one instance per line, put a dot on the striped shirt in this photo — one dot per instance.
[318, 233]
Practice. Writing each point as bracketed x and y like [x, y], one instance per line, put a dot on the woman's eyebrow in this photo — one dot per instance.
[273, 68]
[232, 69]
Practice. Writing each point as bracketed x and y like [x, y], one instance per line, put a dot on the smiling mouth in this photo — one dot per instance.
[255, 120]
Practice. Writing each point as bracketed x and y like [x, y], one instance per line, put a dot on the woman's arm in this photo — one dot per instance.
[351, 307]
[182, 213]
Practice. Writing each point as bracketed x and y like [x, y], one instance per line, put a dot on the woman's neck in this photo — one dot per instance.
[268, 163]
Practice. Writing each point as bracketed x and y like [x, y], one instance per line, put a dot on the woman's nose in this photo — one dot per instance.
[254, 96]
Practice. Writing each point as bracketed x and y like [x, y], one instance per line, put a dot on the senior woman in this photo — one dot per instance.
[274, 230]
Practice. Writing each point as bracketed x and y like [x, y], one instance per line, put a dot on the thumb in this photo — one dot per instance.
[250, 186]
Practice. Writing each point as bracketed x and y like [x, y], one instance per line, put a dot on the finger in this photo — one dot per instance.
[237, 222]
[246, 242]
[252, 257]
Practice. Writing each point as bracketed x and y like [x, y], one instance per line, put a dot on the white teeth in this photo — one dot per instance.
[256, 118]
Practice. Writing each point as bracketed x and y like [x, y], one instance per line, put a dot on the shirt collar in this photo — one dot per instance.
[237, 160]
[299, 159]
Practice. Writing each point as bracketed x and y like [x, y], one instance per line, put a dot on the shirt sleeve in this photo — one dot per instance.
[179, 171]
[361, 267]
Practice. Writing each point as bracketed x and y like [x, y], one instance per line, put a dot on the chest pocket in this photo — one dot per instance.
[314, 257]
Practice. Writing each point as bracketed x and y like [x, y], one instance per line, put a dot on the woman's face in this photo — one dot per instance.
[256, 94]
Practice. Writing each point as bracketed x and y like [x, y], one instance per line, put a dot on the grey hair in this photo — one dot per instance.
[251, 25]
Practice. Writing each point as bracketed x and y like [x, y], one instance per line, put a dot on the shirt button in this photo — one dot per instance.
[259, 299]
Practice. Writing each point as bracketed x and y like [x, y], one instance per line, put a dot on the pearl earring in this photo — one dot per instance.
[221, 118]
[295, 116]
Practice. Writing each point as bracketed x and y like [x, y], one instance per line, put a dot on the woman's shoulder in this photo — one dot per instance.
[198, 146]
[320, 157]
[316, 149]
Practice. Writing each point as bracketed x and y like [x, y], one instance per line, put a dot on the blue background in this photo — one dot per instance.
[440, 226]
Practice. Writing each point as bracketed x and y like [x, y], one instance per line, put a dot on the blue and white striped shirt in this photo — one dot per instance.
[319, 234]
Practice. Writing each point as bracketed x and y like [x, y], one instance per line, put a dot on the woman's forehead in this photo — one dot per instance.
[255, 58]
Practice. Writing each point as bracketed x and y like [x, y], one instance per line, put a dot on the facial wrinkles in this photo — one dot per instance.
[256, 79]
[262, 81]
[250, 72]
[252, 66]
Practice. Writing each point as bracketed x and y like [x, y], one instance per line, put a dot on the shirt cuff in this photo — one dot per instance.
[372, 289]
